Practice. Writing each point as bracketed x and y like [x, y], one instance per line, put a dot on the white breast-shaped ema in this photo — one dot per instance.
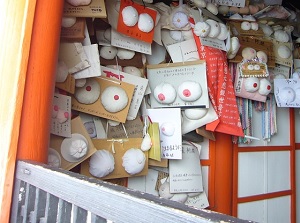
[130, 16]
[114, 99]
[223, 32]
[101, 163]
[74, 148]
[78, 148]
[133, 161]
[176, 35]
[265, 87]
[215, 28]
[180, 20]
[164, 93]
[108, 52]
[89, 93]
[189, 91]
[145, 23]
[133, 71]
[284, 52]
[287, 94]
[167, 128]
[202, 29]
[251, 84]
[181, 197]
[195, 113]
[248, 53]
[164, 190]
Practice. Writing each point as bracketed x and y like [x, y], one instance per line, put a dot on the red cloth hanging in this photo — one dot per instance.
[220, 90]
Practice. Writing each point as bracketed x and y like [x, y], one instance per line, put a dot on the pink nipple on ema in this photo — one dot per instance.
[161, 97]
[186, 92]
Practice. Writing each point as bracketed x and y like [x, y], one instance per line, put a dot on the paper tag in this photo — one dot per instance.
[199, 201]
[68, 85]
[93, 57]
[139, 89]
[236, 3]
[279, 70]
[144, 183]
[74, 33]
[279, 60]
[236, 25]
[61, 115]
[166, 38]
[89, 124]
[258, 44]
[131, 129]
[155, 150]
[287, 92]
[176, 74]
[134, 31]
[169, 120]
[97, 108]
[213, 42]
[96, 9]
[126, 42]
[253, 69]
[101, 38]
[101, 133]
[183, 51]
[186, 174]
[189, 125]
[73, 55]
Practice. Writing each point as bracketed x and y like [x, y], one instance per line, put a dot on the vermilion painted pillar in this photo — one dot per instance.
[40, 80]
[223, 173]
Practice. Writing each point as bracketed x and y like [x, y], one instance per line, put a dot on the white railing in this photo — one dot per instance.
[45, 194]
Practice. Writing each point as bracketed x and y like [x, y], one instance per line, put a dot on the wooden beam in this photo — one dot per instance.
[16, 19]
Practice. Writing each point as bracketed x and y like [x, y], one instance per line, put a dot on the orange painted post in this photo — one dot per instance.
[40, 80]
[223, 188]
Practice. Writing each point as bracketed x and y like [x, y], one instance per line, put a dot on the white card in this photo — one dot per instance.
[94, 70]
[122, 41]
[169, 120]
[89, 124]
[101, 132]
[87, 39]
[189, 125]
[139, 91]
[236, 3]
[191, 72]
[199, 201]
[60, 124]
[185, 174]
[213, 42]
[287, 92]
[183, 51]
[146, 183]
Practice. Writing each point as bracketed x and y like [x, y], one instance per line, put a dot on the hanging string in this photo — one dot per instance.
[124, 130]
[116, 140]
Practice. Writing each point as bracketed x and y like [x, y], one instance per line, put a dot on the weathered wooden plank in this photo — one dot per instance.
[18, 201]
[64, 211]
[113, 202]
[97, 219]
[50, 209]
[79, 214]
[39, 205]
[28, 207]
